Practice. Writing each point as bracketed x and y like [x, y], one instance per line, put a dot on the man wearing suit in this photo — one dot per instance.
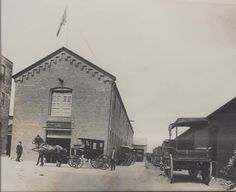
[19, 150]
[113, 160]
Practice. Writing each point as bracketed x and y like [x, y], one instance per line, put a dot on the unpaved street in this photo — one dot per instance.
[23, 176]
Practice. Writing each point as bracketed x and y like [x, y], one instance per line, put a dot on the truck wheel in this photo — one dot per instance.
[206, 173]
[193, 172]
[171, 169]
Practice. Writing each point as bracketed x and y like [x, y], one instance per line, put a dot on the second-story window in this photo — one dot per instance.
[3, 73]
[61, 103]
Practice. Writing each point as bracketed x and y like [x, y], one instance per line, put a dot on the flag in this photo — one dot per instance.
[63, 22]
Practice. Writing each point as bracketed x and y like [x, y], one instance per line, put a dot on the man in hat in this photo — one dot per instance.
[113, 159]
[19, 150]
[38, 141]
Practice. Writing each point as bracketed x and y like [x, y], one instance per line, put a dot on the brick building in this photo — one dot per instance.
[5, 87]
[69, 101]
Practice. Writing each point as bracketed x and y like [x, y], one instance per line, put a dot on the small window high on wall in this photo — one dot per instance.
[61, 99]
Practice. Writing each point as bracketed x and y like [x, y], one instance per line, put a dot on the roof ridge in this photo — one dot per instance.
[37, 63]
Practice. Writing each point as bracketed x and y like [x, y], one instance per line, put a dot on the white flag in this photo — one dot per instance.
[63, 22]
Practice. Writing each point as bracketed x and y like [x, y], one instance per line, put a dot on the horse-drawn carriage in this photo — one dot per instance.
[88, 149]
[182, 153]
[126, 155]
[92, 150]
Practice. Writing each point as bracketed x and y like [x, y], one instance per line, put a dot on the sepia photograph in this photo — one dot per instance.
[118, 95]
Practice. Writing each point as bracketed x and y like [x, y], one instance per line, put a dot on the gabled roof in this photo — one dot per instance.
[63, 49]
[9, 61]
[229, 107]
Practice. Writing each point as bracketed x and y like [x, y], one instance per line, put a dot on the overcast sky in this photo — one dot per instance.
[172, 58]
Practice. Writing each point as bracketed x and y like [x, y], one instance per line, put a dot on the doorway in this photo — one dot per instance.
[65, 143]
[8, 145]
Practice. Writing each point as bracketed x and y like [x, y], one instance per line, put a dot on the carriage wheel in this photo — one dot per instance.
[206, 173]
[104, 162]
[105, 166]
[94, 163]
[78, 162]
[170, 169]
[70, 162]
[75, 162]
[193, 172]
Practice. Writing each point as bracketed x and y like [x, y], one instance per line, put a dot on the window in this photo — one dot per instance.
[3, 72]
[94, 145]
[61, 103]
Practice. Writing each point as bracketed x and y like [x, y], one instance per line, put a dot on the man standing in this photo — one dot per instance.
[19, 150]
[38, 141]
[113, 160]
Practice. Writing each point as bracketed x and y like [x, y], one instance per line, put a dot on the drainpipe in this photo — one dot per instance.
[109, 123]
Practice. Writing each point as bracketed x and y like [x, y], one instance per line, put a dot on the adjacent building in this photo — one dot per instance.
[9, 133]
[220, 134]
[140, 148]
[5, 96]
[68, 101]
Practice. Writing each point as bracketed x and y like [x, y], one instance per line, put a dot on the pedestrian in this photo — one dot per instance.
[19, 151]
[113, 160]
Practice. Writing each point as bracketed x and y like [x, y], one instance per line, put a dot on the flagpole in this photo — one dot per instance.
[67, 26]
[62, 23]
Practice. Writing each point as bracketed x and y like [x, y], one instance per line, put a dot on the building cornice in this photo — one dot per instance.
[70, 57]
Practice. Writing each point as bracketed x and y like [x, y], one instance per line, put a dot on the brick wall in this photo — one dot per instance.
[120, 131]
[90, 105]
[5, 105]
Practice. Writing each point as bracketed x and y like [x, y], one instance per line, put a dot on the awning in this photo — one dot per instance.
[57, 129]
[188, 122]
[59, 136]
[126, 146]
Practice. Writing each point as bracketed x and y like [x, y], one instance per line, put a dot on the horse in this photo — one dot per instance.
[58, 151]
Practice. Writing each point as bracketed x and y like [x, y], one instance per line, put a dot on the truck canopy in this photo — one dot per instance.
[188, 122]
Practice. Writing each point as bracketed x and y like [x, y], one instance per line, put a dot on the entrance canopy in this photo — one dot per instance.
[188, 122]
[126, 146]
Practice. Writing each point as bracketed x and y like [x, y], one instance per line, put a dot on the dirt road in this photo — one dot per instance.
[25, 176]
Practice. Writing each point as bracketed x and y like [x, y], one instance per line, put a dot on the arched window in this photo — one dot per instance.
[61, 99]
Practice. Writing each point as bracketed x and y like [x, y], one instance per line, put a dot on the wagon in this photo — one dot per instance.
[184, 153]
[92, 150]
[157, 155]
[126, 155]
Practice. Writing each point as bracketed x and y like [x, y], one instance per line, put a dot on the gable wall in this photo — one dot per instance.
[90, 104]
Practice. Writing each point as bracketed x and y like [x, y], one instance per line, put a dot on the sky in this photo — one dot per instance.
[171, 58]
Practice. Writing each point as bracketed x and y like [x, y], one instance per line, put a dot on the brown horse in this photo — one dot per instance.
[58, 151]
